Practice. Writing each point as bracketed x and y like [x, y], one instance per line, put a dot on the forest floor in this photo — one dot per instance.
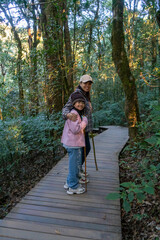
[143, 221]
[17, 182]
[15, 185]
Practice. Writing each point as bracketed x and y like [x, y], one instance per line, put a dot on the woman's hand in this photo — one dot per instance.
[90, 105]
[72, 116]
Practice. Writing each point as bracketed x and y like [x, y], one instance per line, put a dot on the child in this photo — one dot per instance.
[73, 140]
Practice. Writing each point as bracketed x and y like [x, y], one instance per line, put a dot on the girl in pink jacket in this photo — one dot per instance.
[73, 140]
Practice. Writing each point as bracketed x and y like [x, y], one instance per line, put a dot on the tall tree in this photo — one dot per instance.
[91, 27]
[55, 31]
[158, 21]
[122, 66]
[19, 57]
[68, 51]
[29, 14]
[51, 23]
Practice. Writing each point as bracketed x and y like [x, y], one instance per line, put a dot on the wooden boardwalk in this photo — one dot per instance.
[48, 213]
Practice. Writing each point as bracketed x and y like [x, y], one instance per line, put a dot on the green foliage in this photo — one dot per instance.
[113, 196]
[26, 135]
[147, 177]
[110, 114]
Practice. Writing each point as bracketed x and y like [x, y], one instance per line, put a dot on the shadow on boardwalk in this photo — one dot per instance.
[47, 212]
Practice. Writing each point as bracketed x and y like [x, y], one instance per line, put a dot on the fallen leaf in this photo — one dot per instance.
[57, 232]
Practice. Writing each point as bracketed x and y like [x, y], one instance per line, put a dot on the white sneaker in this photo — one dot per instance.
[78, 190]
[83, 180]
[66, 186]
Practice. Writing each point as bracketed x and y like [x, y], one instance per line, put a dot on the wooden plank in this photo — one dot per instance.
[47, 212]
[29, 235]
[8, 238]
[70, 206]
[92, 183]
[92, 187]
[62, 192]
[65, 231]
[82, 198]
[81, 204]
[92, 199]
[70, 215]
[67, 223]
[76, 211]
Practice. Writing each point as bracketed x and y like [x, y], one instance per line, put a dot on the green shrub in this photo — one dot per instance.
[146, 155]
[110, 114]
[24, 135]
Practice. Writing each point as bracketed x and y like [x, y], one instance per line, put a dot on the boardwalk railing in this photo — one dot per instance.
[48, 213]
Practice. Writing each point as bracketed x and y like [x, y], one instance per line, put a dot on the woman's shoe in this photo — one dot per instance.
[83, 180]
[82, 173]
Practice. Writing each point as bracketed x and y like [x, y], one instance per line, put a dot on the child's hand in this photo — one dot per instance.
[72, 116]
[84, 119]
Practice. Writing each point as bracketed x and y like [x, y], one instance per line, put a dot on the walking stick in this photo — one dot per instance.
[85, 168]
[94, 152]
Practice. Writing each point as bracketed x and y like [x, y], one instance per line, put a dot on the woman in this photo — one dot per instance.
[84, 88]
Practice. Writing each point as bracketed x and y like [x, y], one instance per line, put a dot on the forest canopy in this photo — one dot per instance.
[45, 46]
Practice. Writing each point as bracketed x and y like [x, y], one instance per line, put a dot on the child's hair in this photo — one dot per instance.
[77, 97]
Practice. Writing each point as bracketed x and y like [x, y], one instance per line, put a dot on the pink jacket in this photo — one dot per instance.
[73, 134]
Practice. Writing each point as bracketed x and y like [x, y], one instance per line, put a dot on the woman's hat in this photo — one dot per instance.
[77, 97]
[86, 78]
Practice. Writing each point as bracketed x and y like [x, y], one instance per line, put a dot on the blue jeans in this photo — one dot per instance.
[88, 147]
[75, 156]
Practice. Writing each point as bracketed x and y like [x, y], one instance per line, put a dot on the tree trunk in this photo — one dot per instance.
[74, 30]
[1, 115]
[33, 40]
[101, 49]
[122, 66]
[19, 60]
[20, 84]
[68, 52]
[154, 51]
[52, 29]
[92, 24]
[33, 61]
[158, 21]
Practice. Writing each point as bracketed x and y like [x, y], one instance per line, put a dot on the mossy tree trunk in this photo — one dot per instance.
[122, 66]
[158, 21]
[51, 14]
[33, 61]
[68, 52]
[57, 46]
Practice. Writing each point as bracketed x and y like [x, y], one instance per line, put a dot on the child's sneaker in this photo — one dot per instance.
[66, 186]
[83, 180]
[78, 190]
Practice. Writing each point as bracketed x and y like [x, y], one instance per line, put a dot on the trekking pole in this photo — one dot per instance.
[94, 151]
[85, 168]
